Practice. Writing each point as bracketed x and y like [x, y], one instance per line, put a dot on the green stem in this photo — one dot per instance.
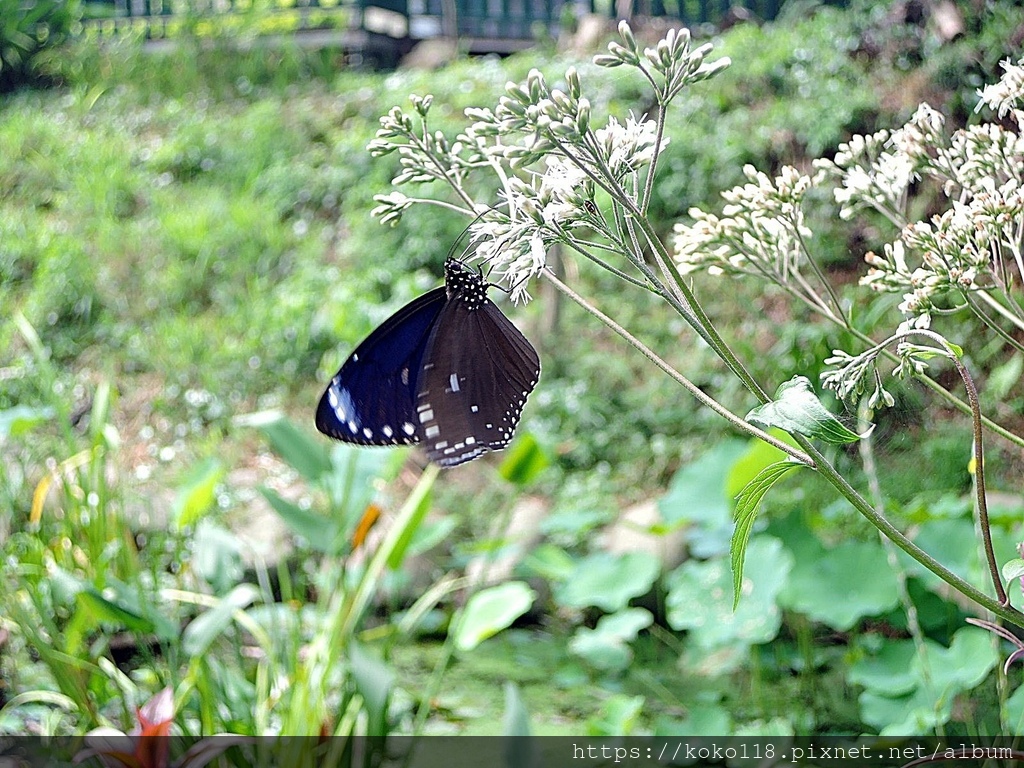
[692, 388]
[979, 460]
[700, 321]
[896, 536]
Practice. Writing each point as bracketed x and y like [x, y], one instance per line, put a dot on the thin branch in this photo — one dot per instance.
[690, 387]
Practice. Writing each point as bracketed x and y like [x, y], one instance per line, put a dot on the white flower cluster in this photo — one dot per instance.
[1006, 96]
[970, 246]
[625, 149]
[550, 157]
[515, 241]
[760, 230]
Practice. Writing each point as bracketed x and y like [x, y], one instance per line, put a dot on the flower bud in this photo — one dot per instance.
[572, 79]
[627, 36]
[536, 85]
[583, 116]
[516, 92]
[561, 101]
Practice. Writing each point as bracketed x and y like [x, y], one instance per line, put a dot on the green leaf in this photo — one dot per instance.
[217, 556]
[550, 562]
[758, 456]
[1013, 569]
[1014, 711]
[698, 494]
[842, 585]
[797, 409]
[374, 680]
[1001, 381]
[100, 609]
[618, 716]
[606, 646]
[408, 534]
[747, 504]
[196, 494]
[699, 597]
[200, 634]
[937, 676]
[888, 671]
[321, 533]
[303, 452]
[608, 581]
[961, 667]
[490, 611]
[524, 461]
[517, 723]
[21, 419]
[702, 720]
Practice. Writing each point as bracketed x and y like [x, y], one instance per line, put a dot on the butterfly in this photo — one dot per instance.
[448, 370]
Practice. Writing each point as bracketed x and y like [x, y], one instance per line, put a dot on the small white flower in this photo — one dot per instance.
[1006, 95]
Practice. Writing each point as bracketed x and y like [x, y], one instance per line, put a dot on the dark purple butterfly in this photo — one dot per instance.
[447, 370]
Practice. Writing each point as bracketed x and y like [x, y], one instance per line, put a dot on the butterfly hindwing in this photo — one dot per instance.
[371, 399]
[477, 373]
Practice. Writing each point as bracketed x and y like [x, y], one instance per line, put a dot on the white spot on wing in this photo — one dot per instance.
[454, 379]
[408, 428]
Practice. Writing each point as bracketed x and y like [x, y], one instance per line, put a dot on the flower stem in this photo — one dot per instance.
[692, 388]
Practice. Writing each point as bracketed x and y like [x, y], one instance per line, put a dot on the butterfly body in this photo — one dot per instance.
[448, 371]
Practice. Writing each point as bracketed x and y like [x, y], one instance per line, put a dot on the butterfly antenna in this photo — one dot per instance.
[465, 232]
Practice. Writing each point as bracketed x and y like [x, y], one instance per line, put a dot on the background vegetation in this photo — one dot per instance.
[186, 255]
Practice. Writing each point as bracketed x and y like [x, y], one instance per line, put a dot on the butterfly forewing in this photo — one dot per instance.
[477, 373]
[371, 399]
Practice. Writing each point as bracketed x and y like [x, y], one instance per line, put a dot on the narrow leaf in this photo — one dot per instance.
[303, 452]
[20, 419]
[521, 751]
[747, 503]
[204, 629]
[797, 409]
[196, 496]
[375, 681]
[490, 611]
[102, 610]
[321, 533]
[524, 461]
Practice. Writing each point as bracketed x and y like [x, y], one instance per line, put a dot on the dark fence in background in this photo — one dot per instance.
[505, 24]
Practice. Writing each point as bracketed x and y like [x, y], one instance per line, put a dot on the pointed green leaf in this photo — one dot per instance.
[204, 629]
[20, 419]
[196, 495]
[490, 611]
[375, 681]
[747, 503]
[524, 461]
[517, 723]
[321, 533]
[408, 534]
[797, 409]
[102, 610]
[1013, 569]
[303, 452]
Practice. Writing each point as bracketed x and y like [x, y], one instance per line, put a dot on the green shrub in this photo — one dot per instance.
[28, 28]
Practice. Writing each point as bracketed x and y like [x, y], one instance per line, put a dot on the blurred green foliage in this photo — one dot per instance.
[30, 30]
[190, 239]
